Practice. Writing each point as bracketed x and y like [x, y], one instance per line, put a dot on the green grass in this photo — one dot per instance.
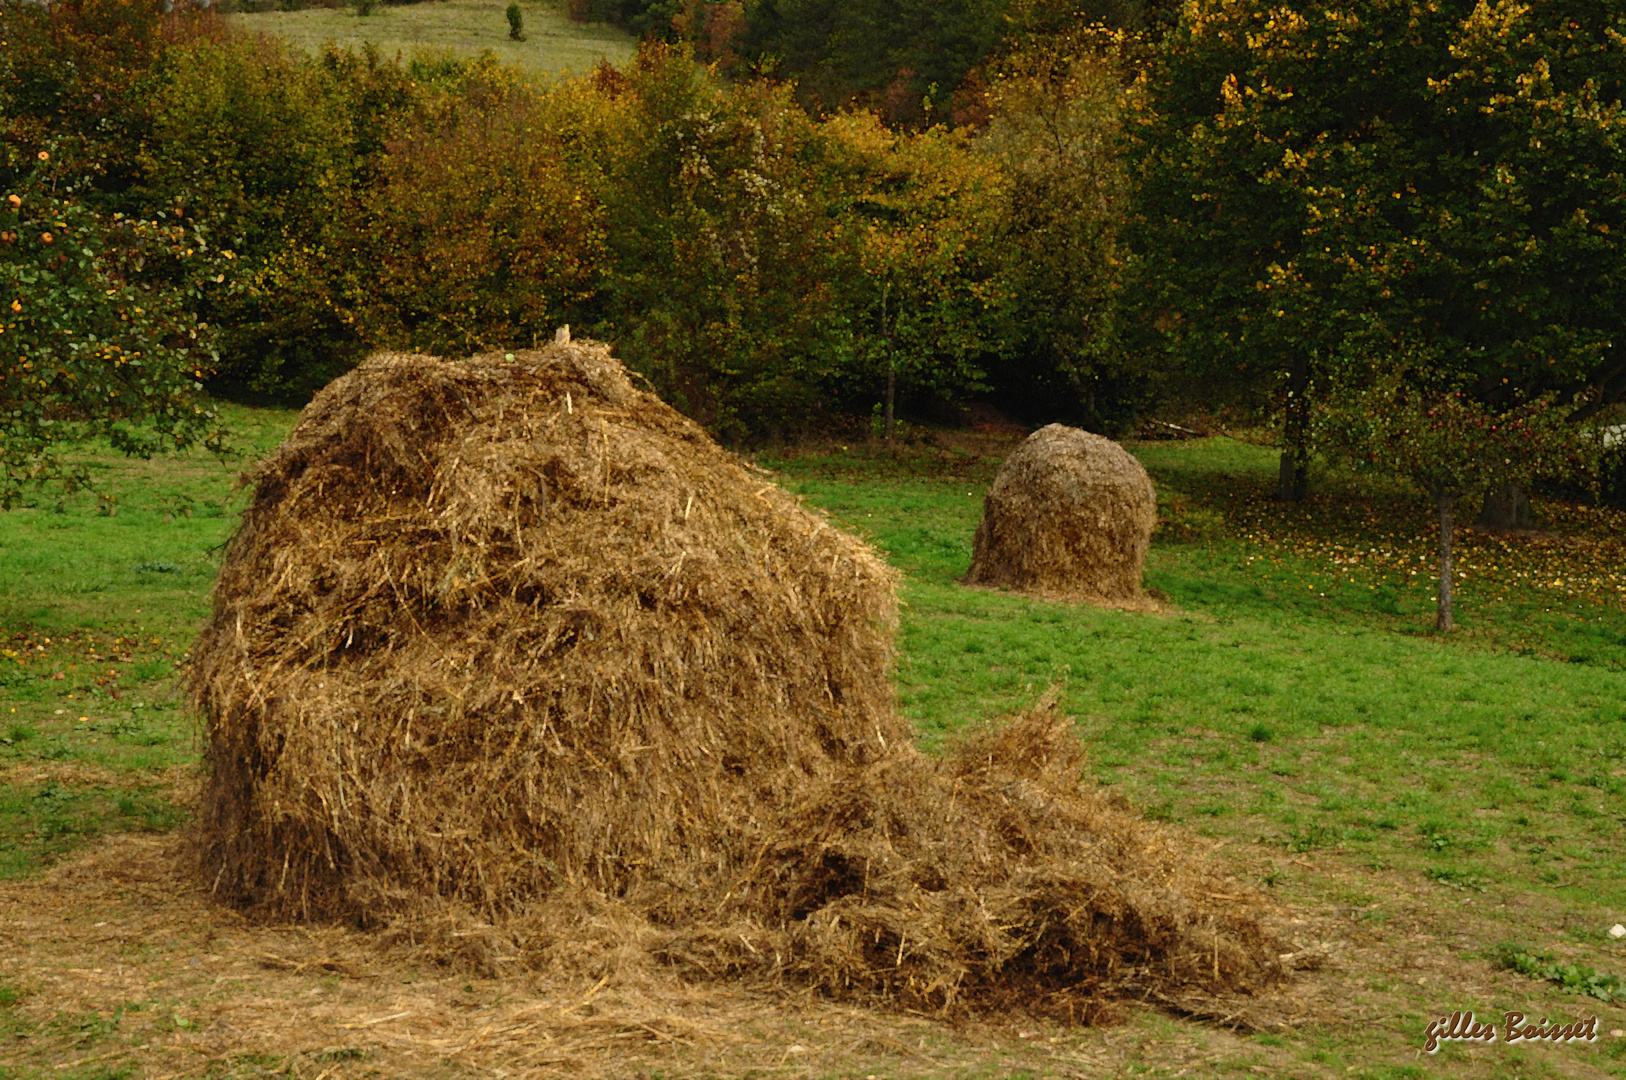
[1286, 697]
[104, 593]
[554, 45]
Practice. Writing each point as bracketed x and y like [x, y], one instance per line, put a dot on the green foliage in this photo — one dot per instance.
[255, 135]
[1374, 179]
[738, 252]
[646, 18]
[1056, 108]
[762, 268]
[475, 234]
[73, 80]
[931, 307]
[516, 22]
[1454, 446]
[98, 334]
[1574, 978]
[724, 261]
[260, 142]
[904, 59]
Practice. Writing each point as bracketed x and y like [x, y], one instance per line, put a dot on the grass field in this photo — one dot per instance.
[553, 44]
[1294, 694]
[1418, 801]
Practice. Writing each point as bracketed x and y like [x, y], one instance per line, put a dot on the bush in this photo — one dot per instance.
[259, 142]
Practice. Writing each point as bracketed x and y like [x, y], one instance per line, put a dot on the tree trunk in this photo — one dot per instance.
[1293, 483]
[1442, 620]
[891, 365]
[891, 389]
[1506, 507]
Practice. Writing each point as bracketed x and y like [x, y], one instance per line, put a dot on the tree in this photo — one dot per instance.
[929, 307]
[1455, 447]
[1056, 107]
[258, 141]
[903, 58]
[75, 78]
[724, 252]
[97, 335]
[1439, 181]
[474, 235]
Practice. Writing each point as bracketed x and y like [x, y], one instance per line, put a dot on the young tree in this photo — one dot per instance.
[928, 305]
[1455, 448]
[1056, 107]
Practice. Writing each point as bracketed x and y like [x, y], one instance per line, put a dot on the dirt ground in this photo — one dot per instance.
[123, 966]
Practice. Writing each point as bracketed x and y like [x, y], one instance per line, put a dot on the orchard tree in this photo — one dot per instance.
[75, 77]
[1456, 448]
[97, 334]
[1422, 179]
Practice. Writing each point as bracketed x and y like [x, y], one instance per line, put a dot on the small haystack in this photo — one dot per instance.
[1069, 517]
[510, 657]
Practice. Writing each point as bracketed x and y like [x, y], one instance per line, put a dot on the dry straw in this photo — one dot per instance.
[509, 658]
[1069, 517]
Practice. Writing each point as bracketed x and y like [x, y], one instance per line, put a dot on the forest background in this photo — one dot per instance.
[1385, 231]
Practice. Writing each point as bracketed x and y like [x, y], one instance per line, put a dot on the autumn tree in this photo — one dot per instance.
[1056, 108]
[927, 301]
[475, 234]
[902, 58]
[1427, 180]
[74, 79]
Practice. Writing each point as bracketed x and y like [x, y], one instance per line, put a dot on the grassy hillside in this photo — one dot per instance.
[554, 45]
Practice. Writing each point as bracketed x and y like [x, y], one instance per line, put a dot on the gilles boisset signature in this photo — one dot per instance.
[1463, 1027]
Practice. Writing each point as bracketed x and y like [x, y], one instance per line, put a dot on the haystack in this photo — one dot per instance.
[1069, 517]
[510, 658]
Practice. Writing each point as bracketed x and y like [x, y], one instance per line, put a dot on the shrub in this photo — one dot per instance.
[475, 235]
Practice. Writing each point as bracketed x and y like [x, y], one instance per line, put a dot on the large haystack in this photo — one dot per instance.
[513, 639]
[1069, 517]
